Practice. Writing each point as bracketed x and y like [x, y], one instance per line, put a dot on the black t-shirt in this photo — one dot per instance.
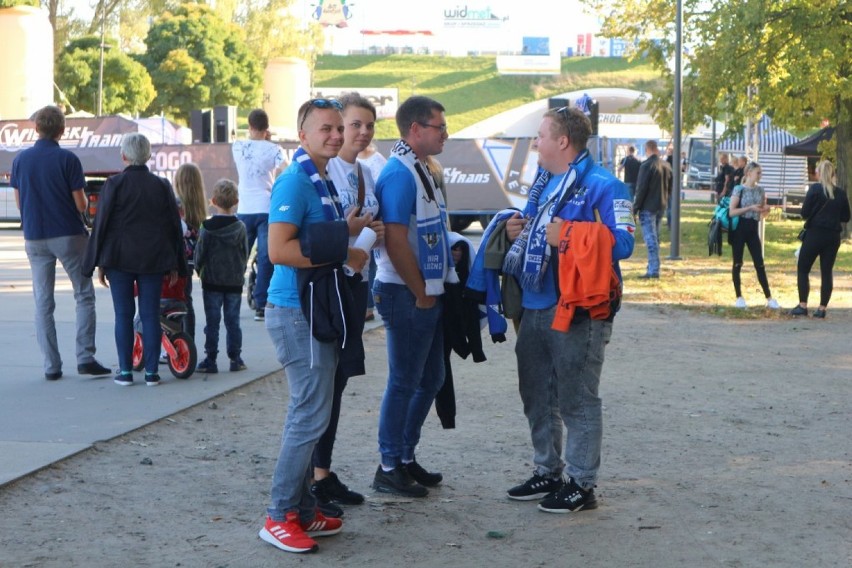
[737, 179]
[720, 181]
[631, 169]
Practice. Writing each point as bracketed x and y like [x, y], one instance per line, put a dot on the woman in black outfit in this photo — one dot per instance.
[137, 240]
[826, 206]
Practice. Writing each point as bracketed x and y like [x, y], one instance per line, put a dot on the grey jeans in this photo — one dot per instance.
[559, 374]
[309, 365]
[43, 255]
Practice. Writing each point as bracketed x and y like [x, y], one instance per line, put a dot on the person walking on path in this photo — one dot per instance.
[630, 166]
[220, 258]
[258, 161]
[748, 202]
[357, 191]
[48, 182]
[559, 372]
[136, 243]
[825, 208]
[652, 194]
[306, 215]
[413, 265]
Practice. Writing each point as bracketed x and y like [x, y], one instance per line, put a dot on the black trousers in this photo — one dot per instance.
[820, 243]
[747, 235]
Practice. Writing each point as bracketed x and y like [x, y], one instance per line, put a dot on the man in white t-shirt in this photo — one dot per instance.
[259, 162]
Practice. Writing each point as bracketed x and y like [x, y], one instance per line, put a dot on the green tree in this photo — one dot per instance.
[274, 29]
[194, 35]
[790, 59]
[127, 86]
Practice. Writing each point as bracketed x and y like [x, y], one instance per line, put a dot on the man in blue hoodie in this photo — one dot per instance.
[559, 370]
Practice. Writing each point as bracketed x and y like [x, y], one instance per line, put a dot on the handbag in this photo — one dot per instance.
[804, 231]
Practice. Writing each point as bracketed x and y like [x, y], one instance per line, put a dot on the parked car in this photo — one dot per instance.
[8, 207]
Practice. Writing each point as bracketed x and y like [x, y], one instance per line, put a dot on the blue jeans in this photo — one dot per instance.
[215, 304]
[149, 288]
[415, 340]
[43, 254]
[559, 374]
[309, 366]
[257, 228]
[650, 222]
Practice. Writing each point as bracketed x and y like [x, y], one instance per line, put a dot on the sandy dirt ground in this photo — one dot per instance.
[726, 443]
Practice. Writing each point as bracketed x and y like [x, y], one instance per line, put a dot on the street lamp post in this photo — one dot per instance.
[101, 71]
[676, 139]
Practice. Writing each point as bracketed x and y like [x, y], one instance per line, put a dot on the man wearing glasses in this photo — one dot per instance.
[413, 264]
[558, 371]
[304, 200]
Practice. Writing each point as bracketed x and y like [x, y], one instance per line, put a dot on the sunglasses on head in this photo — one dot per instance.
[320, 103]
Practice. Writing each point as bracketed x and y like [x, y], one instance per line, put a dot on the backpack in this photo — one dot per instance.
[721, 213]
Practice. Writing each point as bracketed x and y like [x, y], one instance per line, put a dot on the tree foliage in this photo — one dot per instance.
[127, 86]
[795, 55]
[209, 56]
[274, 30]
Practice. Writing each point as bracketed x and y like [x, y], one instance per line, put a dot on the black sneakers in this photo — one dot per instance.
[208, 366]
[331, 490]
[399, 482]
[535, 487]
[421, 476]
[92, 368]
[569, 499]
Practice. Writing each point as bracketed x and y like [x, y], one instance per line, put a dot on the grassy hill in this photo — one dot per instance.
[470, 87]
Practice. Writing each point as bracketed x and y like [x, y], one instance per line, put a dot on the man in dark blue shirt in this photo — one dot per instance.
[48, 182]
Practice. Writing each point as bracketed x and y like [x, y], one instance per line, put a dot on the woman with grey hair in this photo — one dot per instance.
[136, 242]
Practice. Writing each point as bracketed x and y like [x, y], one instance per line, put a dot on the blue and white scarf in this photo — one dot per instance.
[331, 207]
[436, 262]
[529, 256]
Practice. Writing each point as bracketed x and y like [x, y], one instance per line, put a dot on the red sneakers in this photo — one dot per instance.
[323, 526]
[288, 534]
[294, 536]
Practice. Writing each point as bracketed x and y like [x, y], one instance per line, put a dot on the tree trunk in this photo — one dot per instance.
[843, 138]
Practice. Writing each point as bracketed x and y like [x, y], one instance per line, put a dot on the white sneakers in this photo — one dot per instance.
[771, 304]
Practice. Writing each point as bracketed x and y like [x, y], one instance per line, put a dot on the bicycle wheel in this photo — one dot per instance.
[252, 284]
[182, 365]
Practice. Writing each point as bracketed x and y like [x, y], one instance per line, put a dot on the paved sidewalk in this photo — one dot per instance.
[42, 422]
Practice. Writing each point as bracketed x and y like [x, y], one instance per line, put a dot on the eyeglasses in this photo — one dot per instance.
[441, 127]
[319, 103]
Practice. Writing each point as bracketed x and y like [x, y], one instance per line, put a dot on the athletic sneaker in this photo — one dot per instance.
[799, 311]
[152, 380]
[330, 510]
[740, 303]
[322, 526]
[259, 315]
[398, 482]
[288, 534]
[419, 474]
[331, 490]
[570, 499]
[535, 487]
[208, 366]
[123, 379]
[237, 365]
[772, 304]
